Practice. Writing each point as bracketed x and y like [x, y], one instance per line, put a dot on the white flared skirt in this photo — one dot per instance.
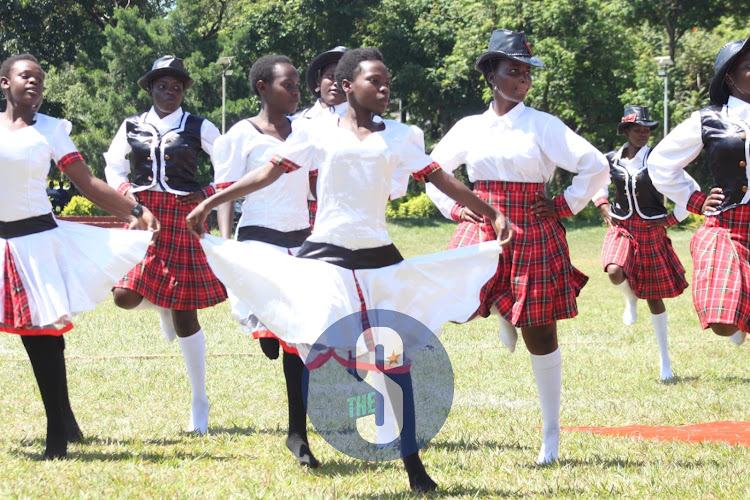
[67, 270]
[299, 299]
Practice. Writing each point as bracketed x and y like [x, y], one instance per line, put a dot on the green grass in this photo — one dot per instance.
[131, 396]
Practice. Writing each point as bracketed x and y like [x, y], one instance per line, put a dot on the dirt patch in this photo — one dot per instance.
[730, 431]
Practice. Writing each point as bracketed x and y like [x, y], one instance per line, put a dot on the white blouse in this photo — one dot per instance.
[117, 166]
[318, 111]
[356, 177]
[281, 205]
[524, 145]
[667, 161]
[25, 156]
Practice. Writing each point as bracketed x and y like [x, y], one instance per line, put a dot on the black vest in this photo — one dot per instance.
[634, 193]
[171, 160]
[725, 150]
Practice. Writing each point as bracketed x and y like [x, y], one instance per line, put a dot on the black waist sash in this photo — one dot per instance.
[23, 227]
[289, 239]
[364, 258]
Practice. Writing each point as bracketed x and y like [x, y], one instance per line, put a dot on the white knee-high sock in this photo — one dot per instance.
[738, 337]
[660, 327]
[548, 375]
[194, 353]
[508, 333]
[631, 303]
[165, 318]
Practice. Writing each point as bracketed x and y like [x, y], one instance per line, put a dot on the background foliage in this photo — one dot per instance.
[599, 55]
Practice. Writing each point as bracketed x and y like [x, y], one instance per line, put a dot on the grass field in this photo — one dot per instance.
[131, 396]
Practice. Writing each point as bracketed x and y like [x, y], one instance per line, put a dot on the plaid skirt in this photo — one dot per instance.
[721, 273]
[535, 283]
[175, 273]
[647, 258]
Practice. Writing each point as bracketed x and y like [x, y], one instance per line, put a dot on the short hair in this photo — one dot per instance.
[262, 69]
[489, 66]
[9, 62]
[349, 63]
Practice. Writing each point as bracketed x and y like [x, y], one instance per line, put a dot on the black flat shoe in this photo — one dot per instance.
[301, 451]
[57, 448]
[74, 434]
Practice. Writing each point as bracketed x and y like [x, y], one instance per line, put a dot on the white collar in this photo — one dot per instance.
[172, 120]
[508, 117]
[739, 108]
[640, 155]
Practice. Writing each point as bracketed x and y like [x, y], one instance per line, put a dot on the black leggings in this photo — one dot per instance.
[47, 357]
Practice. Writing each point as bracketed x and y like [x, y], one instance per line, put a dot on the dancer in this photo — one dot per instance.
[510, 151]
[53, 269]
[153, 159]
[330, 103]
[358, 158]
[275, 216]
[721, 247]
[638, 256]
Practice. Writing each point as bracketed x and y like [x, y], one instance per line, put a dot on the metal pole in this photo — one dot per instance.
[224, 97]
[666, 98]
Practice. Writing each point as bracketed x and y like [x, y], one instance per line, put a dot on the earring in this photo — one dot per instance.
[495, 88]
[317, 89]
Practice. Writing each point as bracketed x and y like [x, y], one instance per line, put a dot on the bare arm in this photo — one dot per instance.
[110, 200]
[461, 194]
[225, 217]
[249, 183]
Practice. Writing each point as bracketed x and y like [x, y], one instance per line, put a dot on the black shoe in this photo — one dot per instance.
[419, 480]
[57, 448]
[73, 432]
[301, 451]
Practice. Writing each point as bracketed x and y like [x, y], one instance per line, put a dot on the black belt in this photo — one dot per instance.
[364, 258]
[23, 227]
[289, 239]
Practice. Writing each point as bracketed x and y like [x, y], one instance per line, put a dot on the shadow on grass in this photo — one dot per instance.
[677, 380]
[473, 492]
[466, 445]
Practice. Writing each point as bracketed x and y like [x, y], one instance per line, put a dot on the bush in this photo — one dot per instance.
[78, 205]
[412, 206]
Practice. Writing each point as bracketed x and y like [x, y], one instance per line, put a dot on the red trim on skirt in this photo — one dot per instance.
[17, 315]
[721, 271]
[647, 258]
[175, 273]
[535, 283]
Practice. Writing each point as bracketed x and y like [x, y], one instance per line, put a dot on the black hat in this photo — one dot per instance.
[505, 44]
[320, 62]
[718, 90]
[637, 115]
[166, 65]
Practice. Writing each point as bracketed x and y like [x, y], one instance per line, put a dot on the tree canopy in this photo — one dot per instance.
[599, 55]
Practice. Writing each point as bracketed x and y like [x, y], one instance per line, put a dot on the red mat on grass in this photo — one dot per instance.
[729, 431]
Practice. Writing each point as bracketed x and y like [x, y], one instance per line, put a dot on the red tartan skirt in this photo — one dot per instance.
[17, 316]
[721, 269]
[535, 283]
[174, 274]
[647, 258]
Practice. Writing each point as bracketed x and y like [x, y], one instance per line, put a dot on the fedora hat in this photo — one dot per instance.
[637, 115]
[505, 44]
[318, 63]
[718, 91]
[166, 66]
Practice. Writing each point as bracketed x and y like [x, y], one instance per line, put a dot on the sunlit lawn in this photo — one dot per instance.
[130, 392]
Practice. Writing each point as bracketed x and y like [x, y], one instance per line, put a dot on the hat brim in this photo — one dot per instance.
[623, 125]
[718, 91]
[320, 62]
[156, 73]
[496, 54]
